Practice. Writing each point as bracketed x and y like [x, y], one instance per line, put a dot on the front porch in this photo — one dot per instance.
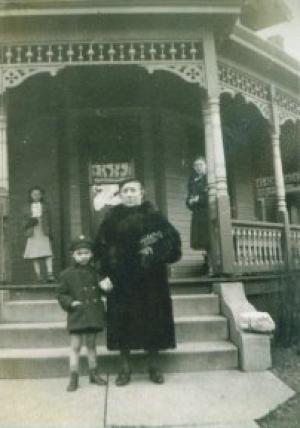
[99, 105]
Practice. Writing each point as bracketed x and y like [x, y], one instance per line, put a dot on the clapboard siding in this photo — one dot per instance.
[175, 138]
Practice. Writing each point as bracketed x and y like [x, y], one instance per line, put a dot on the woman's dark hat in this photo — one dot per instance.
[81, 242]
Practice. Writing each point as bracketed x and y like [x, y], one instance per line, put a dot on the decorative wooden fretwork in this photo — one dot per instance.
[180, 57]
[192, 73]
[236, 81]
[289, 107]
[13, 77]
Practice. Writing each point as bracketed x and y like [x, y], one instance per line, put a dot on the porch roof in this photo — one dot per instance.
[273, 55]
[264, 13]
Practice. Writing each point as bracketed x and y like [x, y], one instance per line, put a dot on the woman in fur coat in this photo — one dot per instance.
[134, 245]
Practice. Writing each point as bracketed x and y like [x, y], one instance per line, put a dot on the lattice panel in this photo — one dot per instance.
[243, 82]
[289, 108]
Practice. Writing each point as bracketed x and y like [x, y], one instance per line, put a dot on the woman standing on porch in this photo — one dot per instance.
[134, 244]
[37, 225]
[197, 202]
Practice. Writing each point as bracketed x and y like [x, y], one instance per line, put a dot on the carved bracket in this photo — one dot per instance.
[12, 77]
[191, 73]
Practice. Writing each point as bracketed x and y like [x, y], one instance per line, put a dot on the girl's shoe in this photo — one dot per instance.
[156, 376]
[96, 378]
[73, 383]
[123, 378]
[50, 278]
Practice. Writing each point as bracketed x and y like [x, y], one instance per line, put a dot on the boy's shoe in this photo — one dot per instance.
[156, 376]
[73, 383]
[123, 378]
[96, 378]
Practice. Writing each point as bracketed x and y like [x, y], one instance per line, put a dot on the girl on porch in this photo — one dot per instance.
[37, 225]
[197, 202]
[134, 244]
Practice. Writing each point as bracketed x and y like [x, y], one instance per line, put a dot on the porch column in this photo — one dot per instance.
[3, 190]
[279, 176]
[224, 226]
[3, 149]
[211, 184]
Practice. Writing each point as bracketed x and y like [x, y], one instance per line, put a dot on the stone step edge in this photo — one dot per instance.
[181, 349]
[62, 324]
[208, 296]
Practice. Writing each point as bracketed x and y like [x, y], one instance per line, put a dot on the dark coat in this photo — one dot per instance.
[81, 283]
[30, 222]
[199, 234]
[139, 308]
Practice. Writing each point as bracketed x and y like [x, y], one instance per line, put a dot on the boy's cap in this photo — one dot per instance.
[81, 242]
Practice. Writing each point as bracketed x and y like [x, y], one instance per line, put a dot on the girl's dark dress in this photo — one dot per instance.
[199, 234]
[139, 308]
[80, 283]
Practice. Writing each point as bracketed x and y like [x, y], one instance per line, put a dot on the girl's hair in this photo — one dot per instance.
[197, 158]
[36, 188]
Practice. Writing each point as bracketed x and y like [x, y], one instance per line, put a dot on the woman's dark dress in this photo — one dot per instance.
[139, 308]
[199, 234]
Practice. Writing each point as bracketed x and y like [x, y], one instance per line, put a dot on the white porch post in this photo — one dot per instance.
[211, 184]
[279, 176]
[277, 161]
[4, 184]
[3, 149]
[224, 227]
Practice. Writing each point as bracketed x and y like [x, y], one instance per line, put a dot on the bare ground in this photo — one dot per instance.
[286, 365]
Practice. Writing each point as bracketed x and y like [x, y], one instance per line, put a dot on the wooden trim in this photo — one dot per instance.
[107, 7]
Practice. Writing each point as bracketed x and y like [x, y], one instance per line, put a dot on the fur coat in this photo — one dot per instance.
[139, 308]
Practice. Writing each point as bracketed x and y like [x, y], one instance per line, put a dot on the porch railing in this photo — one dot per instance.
[258, 246]
[2, 245]
[295, 245]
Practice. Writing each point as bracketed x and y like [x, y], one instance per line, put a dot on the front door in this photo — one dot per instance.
[110, 151]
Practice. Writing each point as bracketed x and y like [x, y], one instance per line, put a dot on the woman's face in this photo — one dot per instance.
[36, 195]
[131, 194]
[200, 166]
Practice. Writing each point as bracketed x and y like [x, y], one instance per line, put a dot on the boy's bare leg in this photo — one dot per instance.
[76, 343]
[90, 340]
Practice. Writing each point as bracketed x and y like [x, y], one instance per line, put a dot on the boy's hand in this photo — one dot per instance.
[106, 284]
[75, 303]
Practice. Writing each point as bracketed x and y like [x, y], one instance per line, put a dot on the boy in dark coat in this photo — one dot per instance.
[134, 245]
[80, 296]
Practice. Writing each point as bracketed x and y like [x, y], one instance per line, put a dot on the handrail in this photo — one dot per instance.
[2, 245]
[266, 224]
[295, 226]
